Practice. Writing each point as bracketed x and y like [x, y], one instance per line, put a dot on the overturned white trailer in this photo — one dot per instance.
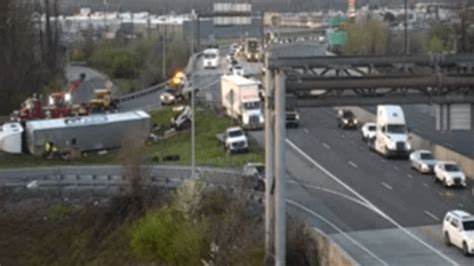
[95, 132]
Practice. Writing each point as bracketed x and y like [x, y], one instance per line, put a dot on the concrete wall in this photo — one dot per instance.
[322, 251]
[440, 152]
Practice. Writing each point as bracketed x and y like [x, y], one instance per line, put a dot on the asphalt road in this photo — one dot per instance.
[380, 211]
[94, 80]
[422, 121]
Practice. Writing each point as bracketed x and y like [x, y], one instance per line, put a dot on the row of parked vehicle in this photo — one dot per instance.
[458, 225]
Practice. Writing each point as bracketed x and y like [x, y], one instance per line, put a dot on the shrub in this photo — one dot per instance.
[167, 237]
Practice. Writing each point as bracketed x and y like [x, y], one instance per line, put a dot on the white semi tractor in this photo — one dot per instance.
[240, 98]
[391, 136]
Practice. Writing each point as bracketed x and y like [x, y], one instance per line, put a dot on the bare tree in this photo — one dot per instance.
[23, 69]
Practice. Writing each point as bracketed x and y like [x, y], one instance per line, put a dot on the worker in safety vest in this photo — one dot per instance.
[50, 150]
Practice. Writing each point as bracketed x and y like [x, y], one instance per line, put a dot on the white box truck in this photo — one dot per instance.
[391, 136]
[211, 59]
[241, 100]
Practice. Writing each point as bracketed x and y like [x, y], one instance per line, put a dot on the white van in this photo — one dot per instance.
[211, 58]
[391, 136]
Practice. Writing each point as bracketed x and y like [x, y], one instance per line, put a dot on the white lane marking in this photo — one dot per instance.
[410, 176]
[326, 146]
[375, 208]
[353, 164]
[330, 191]
[306, 131]
[396, 168]
[328, 112]
[387, 186]
[431, 215]
[296, 204]
[449, 145]
[424, 184]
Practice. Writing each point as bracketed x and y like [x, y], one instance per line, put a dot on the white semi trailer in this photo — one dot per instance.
[94, 132]
[240, 98]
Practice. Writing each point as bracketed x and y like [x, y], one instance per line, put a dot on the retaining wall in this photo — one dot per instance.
[322, 251]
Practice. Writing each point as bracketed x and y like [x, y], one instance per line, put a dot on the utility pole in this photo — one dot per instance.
[163, 60]
[193, 130]
[193, 107]
[406, 28]
[262, 30]
[280, 169]
[269, 165]
[192, 31]
[106, 4]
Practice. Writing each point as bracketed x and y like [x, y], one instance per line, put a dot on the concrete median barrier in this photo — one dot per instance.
[322, 251]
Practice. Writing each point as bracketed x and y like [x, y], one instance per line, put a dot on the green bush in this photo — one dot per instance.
[167, 237]
[118, 62]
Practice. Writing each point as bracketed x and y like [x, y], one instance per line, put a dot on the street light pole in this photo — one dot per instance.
[193, 132]
[164, 51]
[193, 122]
[406, 28]
[269, 164]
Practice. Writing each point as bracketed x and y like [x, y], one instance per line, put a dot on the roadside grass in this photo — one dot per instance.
[209, 151]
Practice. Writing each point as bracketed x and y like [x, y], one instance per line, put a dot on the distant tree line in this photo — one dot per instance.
[29, 49]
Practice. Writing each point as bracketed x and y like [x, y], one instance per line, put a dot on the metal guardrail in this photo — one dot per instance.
[153, 89]
[113, 177]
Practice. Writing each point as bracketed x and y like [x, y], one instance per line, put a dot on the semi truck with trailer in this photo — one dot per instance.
[391, 136]
[241, 100]
[90, 133]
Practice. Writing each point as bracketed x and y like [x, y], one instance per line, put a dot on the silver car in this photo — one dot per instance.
[423, 161]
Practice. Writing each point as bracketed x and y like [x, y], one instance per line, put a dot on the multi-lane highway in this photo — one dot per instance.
[380, 211]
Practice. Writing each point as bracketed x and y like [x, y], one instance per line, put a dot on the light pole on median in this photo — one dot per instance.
[193, 122]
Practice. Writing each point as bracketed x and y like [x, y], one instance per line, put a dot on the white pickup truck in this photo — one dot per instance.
[234, 140]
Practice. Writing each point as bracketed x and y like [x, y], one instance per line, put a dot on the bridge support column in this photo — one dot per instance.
[280, 169]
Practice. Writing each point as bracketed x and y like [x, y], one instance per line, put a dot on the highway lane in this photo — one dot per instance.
[360, 230]
[421, 120]
[94, 80]
[396, 188]
[419, 117]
